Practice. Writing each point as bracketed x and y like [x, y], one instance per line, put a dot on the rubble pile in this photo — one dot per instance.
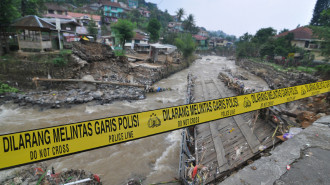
[44, 176]
[301, 113]
[92, 51]
[235, 84]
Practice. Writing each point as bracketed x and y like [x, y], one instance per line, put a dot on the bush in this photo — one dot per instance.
[61, 60]
[119, 53]
[4, 88]
[323, 69]
[185, 44]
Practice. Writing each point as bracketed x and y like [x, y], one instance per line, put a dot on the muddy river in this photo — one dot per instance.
[154, 159]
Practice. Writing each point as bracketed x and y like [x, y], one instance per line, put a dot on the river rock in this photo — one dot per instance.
[97, 94]
[87, 86]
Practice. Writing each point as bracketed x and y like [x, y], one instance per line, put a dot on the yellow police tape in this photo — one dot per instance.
[40, 144]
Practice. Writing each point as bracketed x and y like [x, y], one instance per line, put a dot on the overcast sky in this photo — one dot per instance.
[237, 17]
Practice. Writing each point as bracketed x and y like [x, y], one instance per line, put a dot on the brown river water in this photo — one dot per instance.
[153, 159]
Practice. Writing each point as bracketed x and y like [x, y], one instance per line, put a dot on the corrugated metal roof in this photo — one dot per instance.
[33, 22]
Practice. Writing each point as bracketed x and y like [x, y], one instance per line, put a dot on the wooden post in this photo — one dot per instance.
[19, 45]
[42, 50]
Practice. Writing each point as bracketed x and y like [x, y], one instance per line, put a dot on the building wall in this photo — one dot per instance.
[298, 43]
[112, 11]
[133, 3]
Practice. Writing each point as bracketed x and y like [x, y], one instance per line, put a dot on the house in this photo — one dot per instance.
[133, 3]
[83, 18]
[57, 16]
[175, 27]
[203, 33]
[32, 33]
[66, 25]
[304, 38]
[112, 11]
[202, 42]
[156, 49]
[55, 8]
[144, 12]
[68, 30]
[140, 39]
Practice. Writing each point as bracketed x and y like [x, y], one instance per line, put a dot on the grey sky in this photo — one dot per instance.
[240, 16]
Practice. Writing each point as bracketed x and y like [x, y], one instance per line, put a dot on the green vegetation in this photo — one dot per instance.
[310, 70]
[5, 88]
[153, 29]
[124, 31]
[323, 32]
[91, 27]
[62, 59]
[189, 25]
[320, 6]
[119, 53]
[185, 44]
[180, 13]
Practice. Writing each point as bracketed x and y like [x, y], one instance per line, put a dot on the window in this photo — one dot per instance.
[306, 44]
[114, 8]
[60, 12]
[51, 11]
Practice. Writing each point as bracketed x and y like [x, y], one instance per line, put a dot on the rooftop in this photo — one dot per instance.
[199, 37]
[33, 22]
[57, 16]
[79, 15]
[109, 3]
[301, 33]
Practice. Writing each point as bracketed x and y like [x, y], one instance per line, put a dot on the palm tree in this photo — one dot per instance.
[180, 13]
[189, 23]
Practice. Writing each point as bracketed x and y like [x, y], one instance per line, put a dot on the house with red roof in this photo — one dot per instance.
[84, 18]
[201, 42]
[303, 37]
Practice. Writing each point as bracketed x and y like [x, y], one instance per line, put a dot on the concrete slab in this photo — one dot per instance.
[270, 169]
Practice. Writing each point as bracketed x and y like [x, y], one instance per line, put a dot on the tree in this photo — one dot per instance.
[185, 44]
[124, 30]
[323, 32]
[9, 11]
[91, 27]
[320, 6]
[153, 29]
[180, 13]
[325, 18]
[189, 23]
[263, 35]
[31, 7]
[284, 30]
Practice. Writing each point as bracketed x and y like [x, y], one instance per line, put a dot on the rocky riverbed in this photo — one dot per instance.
[64, 98]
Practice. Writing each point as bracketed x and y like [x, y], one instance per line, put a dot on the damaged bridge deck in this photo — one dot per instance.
[225, 144]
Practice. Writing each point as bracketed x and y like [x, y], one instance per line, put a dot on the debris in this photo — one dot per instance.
[250, 161]
[288, 167]
[287, 136]
[306, 118]
[295, 131]
[253, 168]
[281, 138]
[262, 148]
